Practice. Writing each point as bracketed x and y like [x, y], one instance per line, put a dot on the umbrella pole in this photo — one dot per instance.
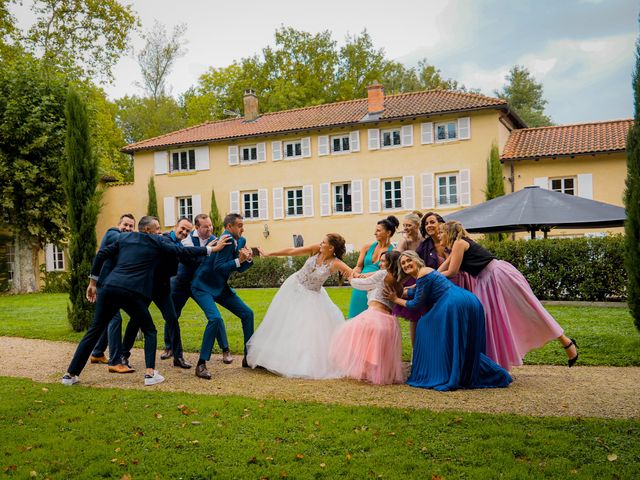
[533, 234]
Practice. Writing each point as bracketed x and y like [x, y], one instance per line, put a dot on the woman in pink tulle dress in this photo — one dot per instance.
[369, 346]
[516, 321]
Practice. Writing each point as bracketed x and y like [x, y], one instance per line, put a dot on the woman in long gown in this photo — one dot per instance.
[369, 258]
[294, 337]
[516, 320]
[449, 349]
[369, 346]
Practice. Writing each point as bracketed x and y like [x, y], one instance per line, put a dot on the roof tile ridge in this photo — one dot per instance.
[581, 124]
[311, 107]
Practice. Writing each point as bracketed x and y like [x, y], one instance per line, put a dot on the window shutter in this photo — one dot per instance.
[427, 190]
[276, 154]
[374, 138]
[585, 185]
[306, 147]
[263, 204]
[169, 211]
[262, 152]
[307, 200]
[354, 141]
[323, 145]
[407, 135]
[426, 133]
[48, 257]
[202, 158]
[374, 195]
[356, 196]
[196, 205]
[464, 128]
[542, 182]
[325, 199]
[278, 211]
[161, 162]
[408, 193]
[233, 155]
[234, 201]
[465, 187]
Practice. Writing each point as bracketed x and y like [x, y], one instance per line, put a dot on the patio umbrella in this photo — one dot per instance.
[534, 208]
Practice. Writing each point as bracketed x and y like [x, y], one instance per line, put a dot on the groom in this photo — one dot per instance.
[209, 287]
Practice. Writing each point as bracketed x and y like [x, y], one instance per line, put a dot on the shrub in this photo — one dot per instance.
[54, 282]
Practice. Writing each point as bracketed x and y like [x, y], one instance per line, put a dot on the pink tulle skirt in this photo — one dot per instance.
[516, 321]
[369, 347]
[464, 280]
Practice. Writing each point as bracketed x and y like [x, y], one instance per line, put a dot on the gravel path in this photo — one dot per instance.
[605, 392]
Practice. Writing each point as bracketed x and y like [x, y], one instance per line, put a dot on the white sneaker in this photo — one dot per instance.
[153, 379]
[69, 379]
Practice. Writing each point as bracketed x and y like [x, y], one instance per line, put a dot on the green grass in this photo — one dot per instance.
[61, 432]
[605, 335]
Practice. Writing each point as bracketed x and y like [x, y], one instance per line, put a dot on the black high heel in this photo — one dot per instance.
[572, 361]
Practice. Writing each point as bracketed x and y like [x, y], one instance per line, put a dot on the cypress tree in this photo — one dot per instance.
[632, 202]
[495, 183]
[80, 179]
[152, 206]
[214, 214]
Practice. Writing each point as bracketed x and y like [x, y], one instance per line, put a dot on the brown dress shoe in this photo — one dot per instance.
[181, 362]
[120, 369]
[202, 372]
[168, 353]
[227, 357]
[102, 359]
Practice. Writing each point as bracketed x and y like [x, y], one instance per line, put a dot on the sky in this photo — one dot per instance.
[582, 51]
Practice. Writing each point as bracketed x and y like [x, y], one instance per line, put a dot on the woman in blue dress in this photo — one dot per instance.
[369, 260]
[450, 338]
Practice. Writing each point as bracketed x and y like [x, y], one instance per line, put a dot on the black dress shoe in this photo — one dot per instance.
[181, 362]
[202, 372]
[244, 362]
[168, 353]
[572, 361]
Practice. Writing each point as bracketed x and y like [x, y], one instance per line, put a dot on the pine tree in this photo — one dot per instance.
[632, 202]
[495, 183]
[524, 95]
[214, 214]
[79, 179]
[152, 205]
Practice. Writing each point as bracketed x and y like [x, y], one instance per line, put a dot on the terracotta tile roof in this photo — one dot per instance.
[332, 114]
[564, 140]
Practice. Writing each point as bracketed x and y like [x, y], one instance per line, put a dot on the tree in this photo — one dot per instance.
[495, 182]
[83, 38]
[524, 95]
[143, 117]
[632, 202]
[152, 205]
[216, 220]
[79, 170]
[159, 56]
[32, 133]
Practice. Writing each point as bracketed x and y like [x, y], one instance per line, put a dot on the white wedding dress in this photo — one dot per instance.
[294, 337]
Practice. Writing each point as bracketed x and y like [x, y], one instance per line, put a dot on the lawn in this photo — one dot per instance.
[52, 431]
[606, 336]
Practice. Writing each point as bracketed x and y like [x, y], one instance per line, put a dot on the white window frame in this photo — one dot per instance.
[188, 152]
[341, 138]
[10, 257]
[254, 212]
[391, 131]
[297, 198]
[334, 197]
[447, 176]
[446, 126]
[294, 143]
[563, 188]
[243, 148]
[397, 193]
[185, 207]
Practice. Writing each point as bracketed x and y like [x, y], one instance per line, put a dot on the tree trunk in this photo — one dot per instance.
[25, 271]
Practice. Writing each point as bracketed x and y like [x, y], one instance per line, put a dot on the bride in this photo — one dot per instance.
[294, 337]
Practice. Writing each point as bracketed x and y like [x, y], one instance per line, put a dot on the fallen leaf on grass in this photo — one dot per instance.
[118, 449]
[252, 460]
[299, 456]
[322, 465]
[10, 468]
[33, 473]
[126, 476]
[195, 422]
[45, 389]
[612, 457]
[349, 456]
[158, 415]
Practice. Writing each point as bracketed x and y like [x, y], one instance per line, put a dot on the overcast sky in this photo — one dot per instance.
[581, 50]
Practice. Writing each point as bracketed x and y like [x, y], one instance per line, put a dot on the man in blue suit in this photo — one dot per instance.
[129, 287]
[210, 286]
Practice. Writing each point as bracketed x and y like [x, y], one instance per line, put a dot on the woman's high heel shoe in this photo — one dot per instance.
[572, 361]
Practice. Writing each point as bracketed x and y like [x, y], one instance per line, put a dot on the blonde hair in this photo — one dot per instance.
[454, 231]
[414, 217]
[414, 257]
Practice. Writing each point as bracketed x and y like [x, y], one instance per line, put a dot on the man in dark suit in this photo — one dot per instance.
[113, 335]
[210, 286]
[129, 287]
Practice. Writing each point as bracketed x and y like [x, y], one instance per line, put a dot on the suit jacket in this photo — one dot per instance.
[138, 255]
[110, 237]
[167, 266]
[187, 267]
[214, 272]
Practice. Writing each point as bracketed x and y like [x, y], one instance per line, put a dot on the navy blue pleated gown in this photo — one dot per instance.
[450, 339]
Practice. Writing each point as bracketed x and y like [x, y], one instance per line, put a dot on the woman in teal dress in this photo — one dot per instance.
[369, 260]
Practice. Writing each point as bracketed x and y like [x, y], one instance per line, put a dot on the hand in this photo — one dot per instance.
[249, 254]
[405, 291]
[262, 252]
[243, 255]
[390, 294]
[220, 243]
[91, 292]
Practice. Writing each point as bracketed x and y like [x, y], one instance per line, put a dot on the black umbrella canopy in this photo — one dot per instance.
[534, 208]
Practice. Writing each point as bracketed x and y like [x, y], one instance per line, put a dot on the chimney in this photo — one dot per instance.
[375, 93]
[250, 105]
